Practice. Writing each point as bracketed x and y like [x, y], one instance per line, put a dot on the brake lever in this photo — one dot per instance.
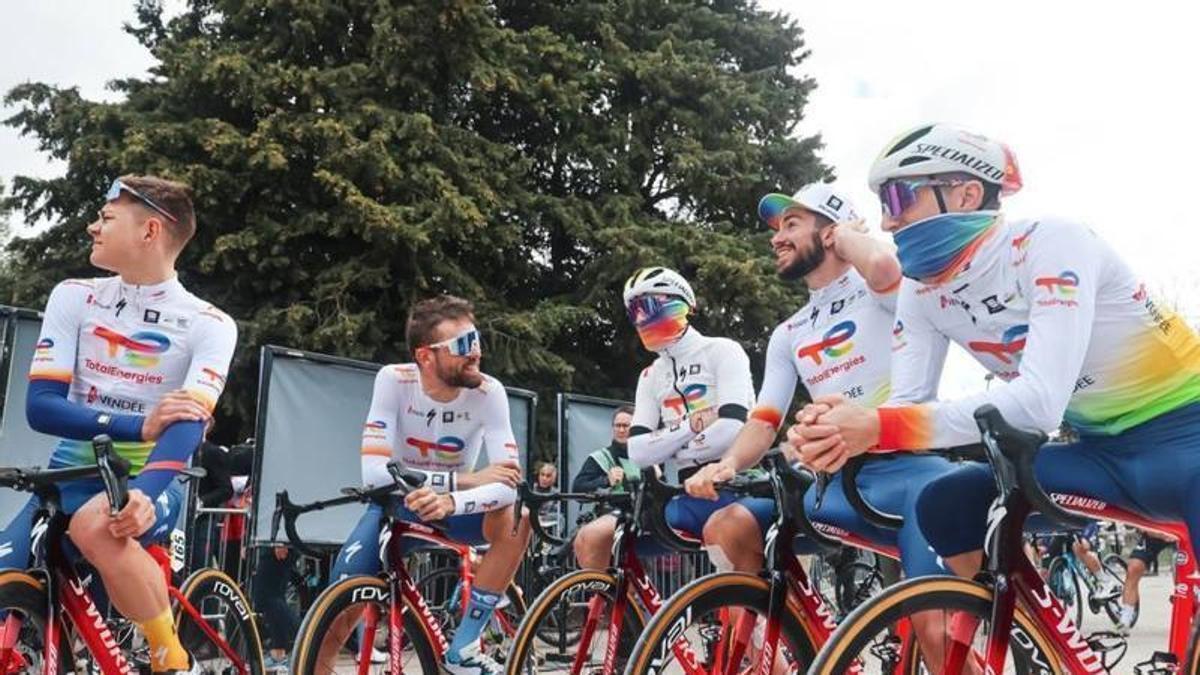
[820, 486]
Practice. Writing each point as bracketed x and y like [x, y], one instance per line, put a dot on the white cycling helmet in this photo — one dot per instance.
[816, 197]
[941, 148]
[661, 281]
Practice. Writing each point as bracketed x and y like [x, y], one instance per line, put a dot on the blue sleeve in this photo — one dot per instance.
[49, 411]
[171, 454]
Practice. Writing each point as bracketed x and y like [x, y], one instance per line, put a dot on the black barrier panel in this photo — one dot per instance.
[584, 426]
[311, 409]
[19, 445]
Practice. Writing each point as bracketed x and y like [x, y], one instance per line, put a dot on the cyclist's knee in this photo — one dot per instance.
[593, 542]
[89, 532]
[729, 525]
[498, 527]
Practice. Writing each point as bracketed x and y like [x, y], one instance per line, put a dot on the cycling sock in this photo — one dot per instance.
[165, 651]
[478, 613]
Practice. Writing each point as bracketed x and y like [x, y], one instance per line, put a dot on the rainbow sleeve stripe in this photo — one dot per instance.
[905, 428]
[767, 414]
[377, 451]
[64, 376]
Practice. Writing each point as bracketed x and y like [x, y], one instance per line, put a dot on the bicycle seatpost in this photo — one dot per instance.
[114, 473]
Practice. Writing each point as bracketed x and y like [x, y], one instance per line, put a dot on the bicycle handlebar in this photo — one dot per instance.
[855, 498]
[1011, 452]
[111, 468]
[287, 511]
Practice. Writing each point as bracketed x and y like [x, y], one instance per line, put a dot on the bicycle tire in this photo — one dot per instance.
[326, 614]
[701, 598]
[1067, 587]
[20, 592]
[539, 619]
[1031, 651]
[207, 590]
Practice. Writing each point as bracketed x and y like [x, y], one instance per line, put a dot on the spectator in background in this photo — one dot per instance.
[224, 486]
[609, 466]
[280, 622]
[547, 477]
[1143, 557]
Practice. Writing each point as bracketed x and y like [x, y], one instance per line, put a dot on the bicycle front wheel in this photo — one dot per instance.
[931, 624]
[23, 611]
[716, 624]
[212, 597]
[348, 622]
[568, 627]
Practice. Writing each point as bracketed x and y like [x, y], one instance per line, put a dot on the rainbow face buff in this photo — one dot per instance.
[933, 250]
[659, 320]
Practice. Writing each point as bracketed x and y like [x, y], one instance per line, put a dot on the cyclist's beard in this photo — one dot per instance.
[803, 263]
[458, 376]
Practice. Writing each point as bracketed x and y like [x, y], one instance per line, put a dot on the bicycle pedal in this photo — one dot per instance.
[1160, 663]
[888, 650]
[1110, 646]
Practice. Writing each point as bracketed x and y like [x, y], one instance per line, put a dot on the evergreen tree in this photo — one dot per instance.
[349, 156]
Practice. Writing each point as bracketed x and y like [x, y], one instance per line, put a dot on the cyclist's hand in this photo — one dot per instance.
[702, 483]
[790, 453]
[174, 406]
[135, 518]
[507, 472]
[428, 505]
[280, 552]
[821, 446]
[812, 412]
[616, 475]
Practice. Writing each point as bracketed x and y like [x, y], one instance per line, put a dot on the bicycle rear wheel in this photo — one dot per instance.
[327, 641]
[950, 621]
[1066, 587]
[716, 624]
[23, 626]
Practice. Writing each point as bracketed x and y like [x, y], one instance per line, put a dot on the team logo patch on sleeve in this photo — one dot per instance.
[1059, 290]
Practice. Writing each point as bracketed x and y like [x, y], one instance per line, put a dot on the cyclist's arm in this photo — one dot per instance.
[918, 352]
[874, 259]
[48, 408]
[774, 398]
[379, 429]
[501, 446]
[590, 478]
[214, 335]
[735, 395]
[1060, 328]
[649, 445]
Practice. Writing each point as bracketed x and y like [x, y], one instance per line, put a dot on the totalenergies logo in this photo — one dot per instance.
[692, 394]
[1008, 349]
[835, 343]
[1062, 286]
[43, 347]
[141, 348]
[446, 448]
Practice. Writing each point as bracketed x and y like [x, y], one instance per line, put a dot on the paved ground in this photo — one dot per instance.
[1150, 634]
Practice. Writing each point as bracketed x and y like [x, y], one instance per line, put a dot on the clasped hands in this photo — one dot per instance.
[831, 430]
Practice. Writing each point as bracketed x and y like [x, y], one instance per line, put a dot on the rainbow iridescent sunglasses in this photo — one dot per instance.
[114, 192]
[464, 344]
[898, 194]
[648, 307]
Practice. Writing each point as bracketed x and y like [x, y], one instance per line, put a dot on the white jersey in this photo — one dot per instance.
[121, 347]
[439, 439]
[1054, 312]
[838, 343]
[697, 374]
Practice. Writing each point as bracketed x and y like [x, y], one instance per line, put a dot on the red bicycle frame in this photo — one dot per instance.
[1025, 585]
[402, 590]
[65, 590]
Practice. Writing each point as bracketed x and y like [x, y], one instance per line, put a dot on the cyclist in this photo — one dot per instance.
[838, 343]
[433, 415]
[1147, 551]
[690, 403]
[1081, 544]
[1055, 313]
[139, 358]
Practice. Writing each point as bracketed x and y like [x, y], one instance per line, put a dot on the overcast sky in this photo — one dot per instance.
[1100, 106]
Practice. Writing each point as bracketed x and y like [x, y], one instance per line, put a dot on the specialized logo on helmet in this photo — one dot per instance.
[140, 349]
[692, 395]
[1008, 350]
[835, 343]
[446, 448]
